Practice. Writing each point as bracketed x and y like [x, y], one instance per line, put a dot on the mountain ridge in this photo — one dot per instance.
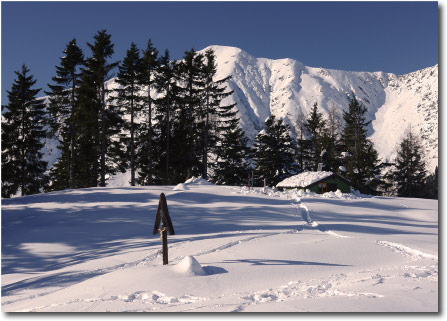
[286, 87]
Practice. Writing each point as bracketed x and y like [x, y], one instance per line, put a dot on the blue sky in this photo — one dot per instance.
[397, 37]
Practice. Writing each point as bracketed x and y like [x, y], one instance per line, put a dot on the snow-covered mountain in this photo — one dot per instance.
[286, 87]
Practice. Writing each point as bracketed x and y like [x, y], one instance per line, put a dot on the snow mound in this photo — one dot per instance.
[198, 181]
[181, 187]
[303, 179]
[189, 265]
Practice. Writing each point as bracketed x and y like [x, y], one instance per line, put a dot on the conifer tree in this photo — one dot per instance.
[315, 125]
[191, 74]
[165, 83]
[232, 151]
[146, 162]
[23, 128]
[274, 152]
[214, 91]
[362, 164]
[431, 185]
[104, 120]
[330, 141]
[410, 173]
[303, 145]
[129, 98]
[63, 107]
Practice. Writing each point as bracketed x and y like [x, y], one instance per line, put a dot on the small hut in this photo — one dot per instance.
[318, 182]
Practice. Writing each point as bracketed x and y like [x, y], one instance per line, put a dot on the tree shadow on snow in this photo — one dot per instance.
[280, 262]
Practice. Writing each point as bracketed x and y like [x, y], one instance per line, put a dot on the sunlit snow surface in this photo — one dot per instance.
[234, 250]
[303, 179]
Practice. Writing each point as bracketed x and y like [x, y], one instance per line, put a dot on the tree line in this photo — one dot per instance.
[166, 122]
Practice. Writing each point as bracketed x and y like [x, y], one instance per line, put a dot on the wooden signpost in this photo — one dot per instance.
[166, 225]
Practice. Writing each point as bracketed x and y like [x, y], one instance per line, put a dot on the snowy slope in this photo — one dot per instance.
[284, 87]
[234, 250]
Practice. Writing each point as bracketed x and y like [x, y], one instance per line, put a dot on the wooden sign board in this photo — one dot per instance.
[166, 225]
[163, 216]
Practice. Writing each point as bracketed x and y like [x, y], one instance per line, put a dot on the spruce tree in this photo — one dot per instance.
[330, 141]
[106, 118]
[431, 185]
[274, 152]
[129, 98]
[231, 150]
[23, 129]
[191, 84]
[315, 125]
[214, 91]
[146, 162]
[63, 106]
[362, 162]
[303, 145]
[165, 83]
[410, 173]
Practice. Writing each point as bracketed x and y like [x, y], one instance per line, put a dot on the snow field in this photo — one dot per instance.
[234, 250]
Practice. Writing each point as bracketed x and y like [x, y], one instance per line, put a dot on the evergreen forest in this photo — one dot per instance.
[167, 121]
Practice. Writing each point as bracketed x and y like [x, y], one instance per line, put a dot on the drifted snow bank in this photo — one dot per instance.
[198, 181]
[190, 266]
[181, 187]
[298, 193]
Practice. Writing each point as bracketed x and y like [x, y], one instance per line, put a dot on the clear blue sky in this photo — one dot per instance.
[397, 37]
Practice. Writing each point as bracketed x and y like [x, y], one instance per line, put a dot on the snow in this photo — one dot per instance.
[286, 87]
[190, 266]
[235, 249]
[198, 181]
[304, 179]
[181, 187]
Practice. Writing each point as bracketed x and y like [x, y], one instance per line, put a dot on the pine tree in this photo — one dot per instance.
[63, 106]
[191, 82]
[274, 152]
[362, 164]
[315, 125]
[431, 185]
[303, 145]
[146, 162]
[232, 151]
[214, 91]
[129, 98]
[410, 174]
[165, 83]
[330, 145]
[23, 128]
[106, 121]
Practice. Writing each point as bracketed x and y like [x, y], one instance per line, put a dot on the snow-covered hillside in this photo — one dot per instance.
[284, 87]
[234, 250]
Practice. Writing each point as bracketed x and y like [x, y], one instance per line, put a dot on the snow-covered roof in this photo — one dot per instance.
[304, 179]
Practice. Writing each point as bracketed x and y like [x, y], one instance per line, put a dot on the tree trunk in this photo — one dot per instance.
[72, 136]
[149, 153]
[103, 138]
[132, 151]
[205, 142]
[167, 139]
[189, 156]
